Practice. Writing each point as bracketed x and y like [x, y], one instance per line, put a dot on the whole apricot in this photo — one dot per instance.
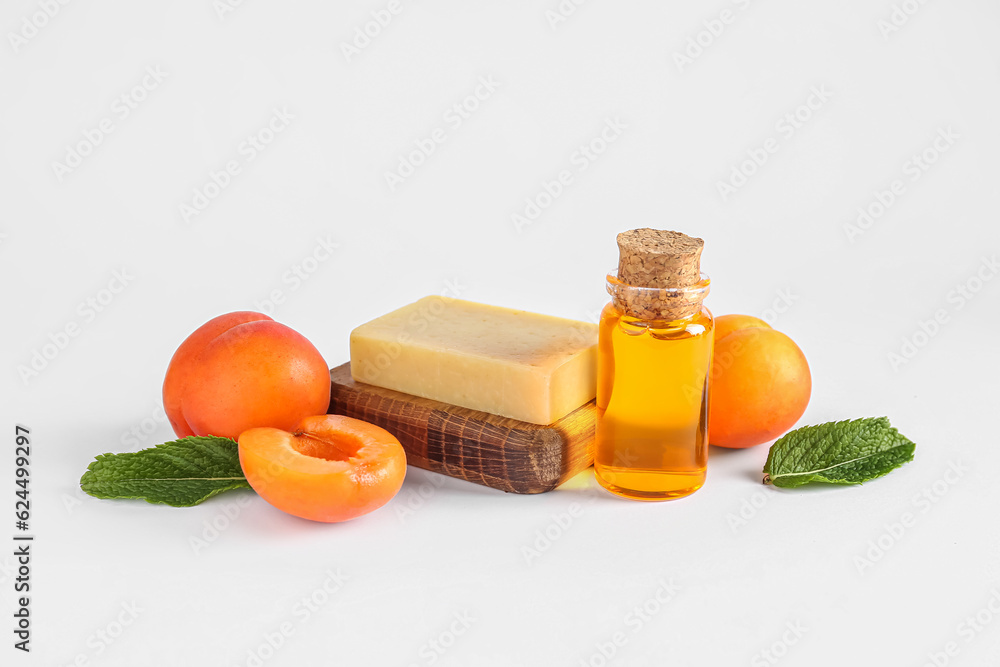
[760, 387]
[244, 370]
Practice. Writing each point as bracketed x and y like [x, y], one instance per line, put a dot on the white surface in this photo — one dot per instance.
[462, 550]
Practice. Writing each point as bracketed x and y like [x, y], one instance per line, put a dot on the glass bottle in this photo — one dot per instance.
[654, 362]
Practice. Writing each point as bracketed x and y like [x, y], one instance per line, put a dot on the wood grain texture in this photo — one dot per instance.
[498, 452]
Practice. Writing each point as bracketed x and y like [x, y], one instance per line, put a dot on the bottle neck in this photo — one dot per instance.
[657, 303]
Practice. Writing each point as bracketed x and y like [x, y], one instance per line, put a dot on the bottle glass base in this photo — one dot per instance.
[650, 485]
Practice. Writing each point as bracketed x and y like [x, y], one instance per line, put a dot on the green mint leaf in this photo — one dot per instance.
[846, 452]
[180, 473]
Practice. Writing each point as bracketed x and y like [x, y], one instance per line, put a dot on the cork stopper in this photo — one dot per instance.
[666, 267]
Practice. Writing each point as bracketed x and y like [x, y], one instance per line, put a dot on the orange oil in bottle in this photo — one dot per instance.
[652, 401]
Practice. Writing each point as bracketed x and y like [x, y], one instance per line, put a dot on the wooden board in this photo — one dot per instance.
[502, 453]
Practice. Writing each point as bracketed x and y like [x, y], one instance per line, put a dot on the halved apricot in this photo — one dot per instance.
[329, 468]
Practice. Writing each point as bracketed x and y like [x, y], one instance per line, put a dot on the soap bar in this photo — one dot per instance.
[512, 363]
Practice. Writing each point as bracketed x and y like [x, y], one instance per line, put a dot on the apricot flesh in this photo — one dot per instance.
[242, 370]
[760, 387]
[330, 468]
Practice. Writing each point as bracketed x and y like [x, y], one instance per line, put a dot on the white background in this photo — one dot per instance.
[748, 562]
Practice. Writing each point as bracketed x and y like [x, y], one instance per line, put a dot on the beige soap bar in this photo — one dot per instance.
[535, 368]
